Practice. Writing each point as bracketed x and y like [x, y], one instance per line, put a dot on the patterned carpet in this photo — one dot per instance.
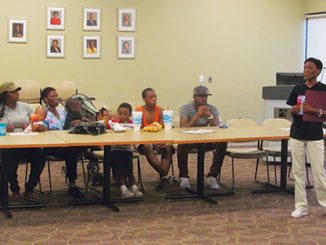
[240, 219]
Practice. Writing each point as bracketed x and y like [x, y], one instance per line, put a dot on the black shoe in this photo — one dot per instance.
[74, 191]
[163, 184]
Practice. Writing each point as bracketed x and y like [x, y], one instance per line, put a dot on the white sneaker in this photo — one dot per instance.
[212, 183]
[138, 193]
[298, 213]
[127, 194]
[184, 183]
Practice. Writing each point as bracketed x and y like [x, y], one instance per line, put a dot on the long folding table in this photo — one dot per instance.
[64, 139]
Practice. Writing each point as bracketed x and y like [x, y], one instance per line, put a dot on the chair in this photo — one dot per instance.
[30, 93]
[244, 152]
[135, 155]
[63, 169]
[275, 151]
[65, 88]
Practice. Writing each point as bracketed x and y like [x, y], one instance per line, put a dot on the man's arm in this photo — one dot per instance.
[184, 121]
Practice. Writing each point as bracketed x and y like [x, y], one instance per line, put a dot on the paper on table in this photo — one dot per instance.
[197, 131]
[286, 129]
[23, 133]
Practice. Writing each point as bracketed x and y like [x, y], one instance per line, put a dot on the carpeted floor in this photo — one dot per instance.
[243, 218]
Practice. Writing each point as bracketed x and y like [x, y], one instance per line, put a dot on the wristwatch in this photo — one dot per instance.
[210, 117]
[320, 113]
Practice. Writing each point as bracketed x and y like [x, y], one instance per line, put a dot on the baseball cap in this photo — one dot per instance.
[201, 90]
[8, 87]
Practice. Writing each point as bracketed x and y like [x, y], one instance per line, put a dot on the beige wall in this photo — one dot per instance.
[241, 43]
[312, 6]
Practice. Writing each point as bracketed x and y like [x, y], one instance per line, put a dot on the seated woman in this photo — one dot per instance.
[55, 120]
[16, 115]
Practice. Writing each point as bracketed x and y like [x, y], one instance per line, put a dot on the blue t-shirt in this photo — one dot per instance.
[52, 122]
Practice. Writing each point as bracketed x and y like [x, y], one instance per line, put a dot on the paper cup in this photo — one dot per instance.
[3, 129]
[167, 118]
[137, 117]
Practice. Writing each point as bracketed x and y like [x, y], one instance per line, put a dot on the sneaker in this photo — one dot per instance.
[16, 195]
[29, 196]
[298, 213]
[127, 194]
[74, 191]
[212, 183]
[164, 182]
[138, 193]
[184, 183]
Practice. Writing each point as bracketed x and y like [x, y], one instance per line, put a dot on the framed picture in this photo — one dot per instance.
[17, 31]
[92, 19]
[91, 47]
[55, 46]
[56, 18]
[126, 47]
[126, 19]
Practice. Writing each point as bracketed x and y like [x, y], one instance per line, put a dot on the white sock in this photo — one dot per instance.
[123, 188]
[134, 188]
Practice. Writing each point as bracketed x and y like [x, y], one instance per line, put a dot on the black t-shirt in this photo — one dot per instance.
[305, 130]
[72, 116]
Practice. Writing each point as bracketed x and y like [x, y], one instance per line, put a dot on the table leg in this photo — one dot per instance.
[200, 180]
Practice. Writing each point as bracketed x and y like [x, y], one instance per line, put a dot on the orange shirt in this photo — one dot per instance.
[157, 114]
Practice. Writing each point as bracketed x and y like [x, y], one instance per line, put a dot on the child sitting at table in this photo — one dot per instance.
[74, 115]
[122, 157]
[36, 119]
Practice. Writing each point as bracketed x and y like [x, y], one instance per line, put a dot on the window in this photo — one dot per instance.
[316, 39]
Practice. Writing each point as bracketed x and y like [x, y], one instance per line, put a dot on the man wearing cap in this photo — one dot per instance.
[198, 113]
[16, 115]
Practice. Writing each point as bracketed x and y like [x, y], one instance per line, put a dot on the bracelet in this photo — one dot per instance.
[210, 117]
[320, 113]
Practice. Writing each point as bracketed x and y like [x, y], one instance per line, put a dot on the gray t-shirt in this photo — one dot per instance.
[188, 110]
[19, 116]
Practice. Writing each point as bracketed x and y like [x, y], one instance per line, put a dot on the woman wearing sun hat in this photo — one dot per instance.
[16, 115]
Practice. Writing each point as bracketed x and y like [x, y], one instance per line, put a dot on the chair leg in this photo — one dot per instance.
[307, 171]
[172, 168]
[232, 174]
[84, 175]
[140, 181]
[256, 171]
[50, 181]
[275, 174]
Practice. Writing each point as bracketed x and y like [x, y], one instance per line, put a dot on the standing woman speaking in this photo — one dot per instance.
[16, 115]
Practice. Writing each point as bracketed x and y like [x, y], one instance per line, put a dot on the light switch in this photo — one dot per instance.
[201, 78]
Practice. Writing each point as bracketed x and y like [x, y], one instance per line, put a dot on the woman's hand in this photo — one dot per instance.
[10, 128]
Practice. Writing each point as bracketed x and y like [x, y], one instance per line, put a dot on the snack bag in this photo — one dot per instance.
[153, 127]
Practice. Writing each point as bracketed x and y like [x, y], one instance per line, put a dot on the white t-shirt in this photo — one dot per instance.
[19, 116]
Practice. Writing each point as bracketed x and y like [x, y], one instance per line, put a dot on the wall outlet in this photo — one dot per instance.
[210, 79]
[201, 78]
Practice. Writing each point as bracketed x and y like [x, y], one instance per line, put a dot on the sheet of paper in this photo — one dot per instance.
[23, 133]
[197, 131]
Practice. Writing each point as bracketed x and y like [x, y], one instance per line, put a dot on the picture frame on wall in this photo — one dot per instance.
[92, 19]
[55, 46]
[126, 47]
[91, 46]
[126, 19]
[56, 18]
[17, 30]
